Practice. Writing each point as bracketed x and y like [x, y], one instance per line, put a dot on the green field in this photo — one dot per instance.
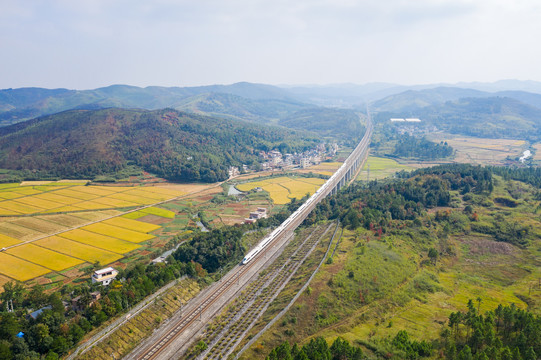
[379, 168]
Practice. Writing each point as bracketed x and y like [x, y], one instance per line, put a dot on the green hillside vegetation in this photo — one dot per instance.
[21, 104]
[174, 145]
[413, 251]
[236, 107]
[343, 124]
[413, 100]
[421, 148]
[339, 123]
[493, 117]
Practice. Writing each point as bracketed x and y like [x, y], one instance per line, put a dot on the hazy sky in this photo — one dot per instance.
[86, 44]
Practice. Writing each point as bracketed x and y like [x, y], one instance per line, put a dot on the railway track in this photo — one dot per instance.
[339, 179]
[155, 349]
[223, 338]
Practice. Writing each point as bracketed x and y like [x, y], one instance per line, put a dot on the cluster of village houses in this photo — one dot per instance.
[274, 159]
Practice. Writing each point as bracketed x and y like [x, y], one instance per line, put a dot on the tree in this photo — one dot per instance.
[433, 255]
[465, 354]
[530, 354]
[5, 350]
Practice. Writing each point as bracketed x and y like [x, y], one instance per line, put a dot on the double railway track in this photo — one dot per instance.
[227, 332]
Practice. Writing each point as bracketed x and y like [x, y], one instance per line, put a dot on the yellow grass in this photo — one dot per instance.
[115, 202]
[96, 190]
[53, 196]
[175, 190]
[101, 241]
[147, 194]
[91, 205]
[134, 215]
[34, 183]
[133, 198]
[18, 232]
[8, 212]
[39, 225]
[283, 189]
[111, 212]
[96, 215]
[132, 224]
[17, 206]
[247, 186]
[19, 269]
[72, 248]
[49, 188]
[7, 241]
[26, 191]
[42, 203]
[158, 212]
[278, 194]
[9, 195]
[63, 209]
[50, 259]
[73, 182]
[63, 219]
[75, 193]
[120, 233]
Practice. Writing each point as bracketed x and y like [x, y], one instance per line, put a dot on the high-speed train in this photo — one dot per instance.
[323, 191]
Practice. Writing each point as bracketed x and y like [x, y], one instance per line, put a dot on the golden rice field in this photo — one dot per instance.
[100, 241]
[78, 250]
[20, 269]
[53, 226]
[283, 189]
[131, 224]
[30, 198]
[120, 233]
[44, 257]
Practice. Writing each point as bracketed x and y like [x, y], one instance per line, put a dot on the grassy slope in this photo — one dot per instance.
[400, 293]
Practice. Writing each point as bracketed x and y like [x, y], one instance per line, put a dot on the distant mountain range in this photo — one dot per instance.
[27, 103]
[254, 102]
[412, 100]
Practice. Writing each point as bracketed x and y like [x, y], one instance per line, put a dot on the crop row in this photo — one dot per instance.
[19, 200]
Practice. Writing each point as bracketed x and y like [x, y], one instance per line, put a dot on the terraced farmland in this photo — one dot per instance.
[54, 226]
[39, 198]
[283, 189]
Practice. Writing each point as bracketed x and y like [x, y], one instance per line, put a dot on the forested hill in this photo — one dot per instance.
[344, 124]
[496, 117]
[490, 117]
[175, 145]
[237, 107]
[26, 103]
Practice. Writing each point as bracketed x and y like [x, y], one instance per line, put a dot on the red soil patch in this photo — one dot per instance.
[43, 281]
[154, 219]
[480, 246]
